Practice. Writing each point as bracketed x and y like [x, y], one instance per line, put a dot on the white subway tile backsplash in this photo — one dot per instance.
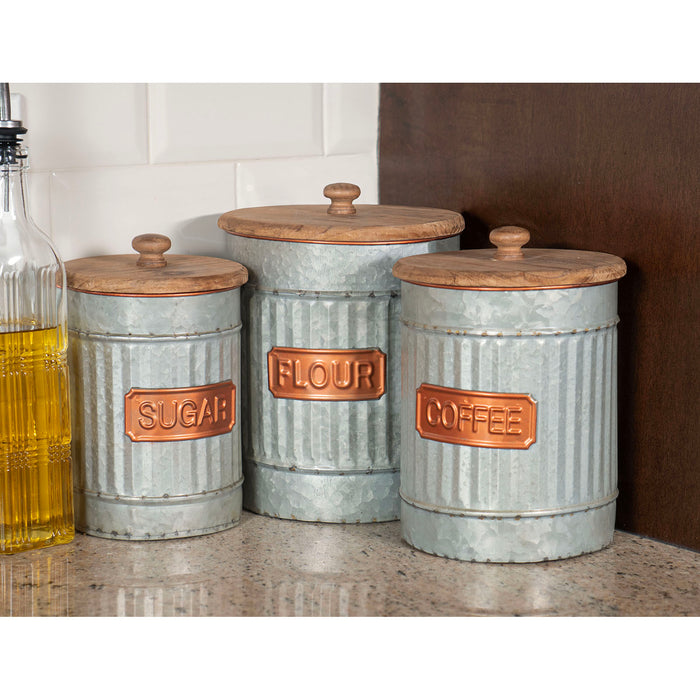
[301, 180]
[111, 161]
[84, 125]
[17, 106]
[204, 122]
[98, 212]
[39, 200]
[350, 117]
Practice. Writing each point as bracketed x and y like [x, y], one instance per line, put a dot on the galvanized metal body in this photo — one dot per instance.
[321, 460]
[127, 489]
[554, 499]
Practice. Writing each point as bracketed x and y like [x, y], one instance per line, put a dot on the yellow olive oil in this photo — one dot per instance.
[36, 493]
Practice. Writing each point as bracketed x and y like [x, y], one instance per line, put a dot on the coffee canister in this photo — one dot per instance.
[321, 351]
[154, 356]
[509, 409]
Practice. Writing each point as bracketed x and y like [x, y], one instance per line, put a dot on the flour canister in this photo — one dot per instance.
[154, 353]
[321, 351]
[509, 410]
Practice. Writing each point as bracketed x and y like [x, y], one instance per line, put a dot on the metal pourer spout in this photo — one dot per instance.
[5, 105]
[10, 130]
[9, 127]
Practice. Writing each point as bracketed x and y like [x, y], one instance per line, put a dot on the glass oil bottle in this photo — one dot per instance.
[36, 500]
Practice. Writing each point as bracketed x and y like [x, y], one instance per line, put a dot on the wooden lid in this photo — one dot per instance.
[342, 221]
[151, 273]
[510, 267]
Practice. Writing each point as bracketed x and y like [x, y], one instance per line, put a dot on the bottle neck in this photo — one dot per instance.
[13, 191]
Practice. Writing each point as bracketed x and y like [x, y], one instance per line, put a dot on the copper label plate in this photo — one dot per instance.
[476, 418]
[187, 413]
[326, 375]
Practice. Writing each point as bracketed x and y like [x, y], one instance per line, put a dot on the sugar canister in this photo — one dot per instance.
[154, 352]
[509, 410]
[321, 351]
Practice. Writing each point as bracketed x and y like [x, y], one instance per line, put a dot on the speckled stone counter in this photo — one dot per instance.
[267, 567]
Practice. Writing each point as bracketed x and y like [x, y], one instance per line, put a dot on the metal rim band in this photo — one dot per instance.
[315, 293]
[318, 472]
[444, 330]
[141, 500]
[233, 330]
[508, 514]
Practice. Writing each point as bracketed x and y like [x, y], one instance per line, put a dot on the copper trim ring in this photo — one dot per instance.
[298, 240]
[508, 289]
[153, 296]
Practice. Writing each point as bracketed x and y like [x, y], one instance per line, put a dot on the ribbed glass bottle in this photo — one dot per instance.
[36, 500]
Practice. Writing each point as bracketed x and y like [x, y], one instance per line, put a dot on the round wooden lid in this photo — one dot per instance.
[509, 267]
[342, 222]
[151, 273]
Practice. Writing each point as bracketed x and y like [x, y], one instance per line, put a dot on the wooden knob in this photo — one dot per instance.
[151, 247]
[509, 240]
[341, 195]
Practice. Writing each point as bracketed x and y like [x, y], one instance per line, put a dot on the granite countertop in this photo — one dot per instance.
[266, 566]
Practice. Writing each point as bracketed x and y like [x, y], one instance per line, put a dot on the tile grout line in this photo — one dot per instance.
[324, 115]
[149, 153]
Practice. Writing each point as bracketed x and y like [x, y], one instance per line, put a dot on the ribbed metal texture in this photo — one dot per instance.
[322, 435]
[334, 461]
[552, 500]
[151, 490]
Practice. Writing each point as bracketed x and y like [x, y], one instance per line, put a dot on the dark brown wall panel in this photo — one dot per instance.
[605, 167]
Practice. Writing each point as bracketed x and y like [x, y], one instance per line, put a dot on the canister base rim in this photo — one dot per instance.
[329, 498]
[508, 540]
[162, 536]
[163, 519]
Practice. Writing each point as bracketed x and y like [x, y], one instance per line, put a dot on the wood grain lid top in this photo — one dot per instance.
[151, 273]
[342, 222]
[510, 267]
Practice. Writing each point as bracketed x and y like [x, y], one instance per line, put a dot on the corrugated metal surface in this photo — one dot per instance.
[323, 435]
[161, 489]
[333, 461]
[566, 361]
